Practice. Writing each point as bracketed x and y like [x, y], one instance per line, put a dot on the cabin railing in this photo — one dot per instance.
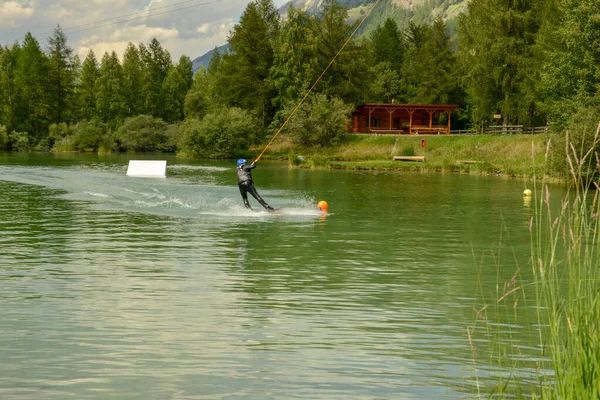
[502, 129]
[465, 131]
[435, 129]
[443, 129]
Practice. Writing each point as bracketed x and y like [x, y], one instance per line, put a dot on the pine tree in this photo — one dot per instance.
[4, 83]
[387, 49]
[242, 78]
[387, 45]
[427, 72]
[60, 76]
[76, 99]
[32, 110]
[496, 40]
[133, 81]
[307, 46]
[347, 78]
[8, 89]
[110, 104]
[157, 64]
[176, 85]
[87, 88]
[294, 64]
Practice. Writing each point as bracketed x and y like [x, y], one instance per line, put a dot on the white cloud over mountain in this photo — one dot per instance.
[183, 27]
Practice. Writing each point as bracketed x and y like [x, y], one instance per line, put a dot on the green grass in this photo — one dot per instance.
[491, 154]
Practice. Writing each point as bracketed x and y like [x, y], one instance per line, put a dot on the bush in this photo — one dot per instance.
[85, 136]
[319, 122]
[43, 145]
[3, 138]
[19, 141]
[142, 133]
[88, 135]
[174, 138]
[60, 137]
[58, 131]
[64, 144]
[220, 134]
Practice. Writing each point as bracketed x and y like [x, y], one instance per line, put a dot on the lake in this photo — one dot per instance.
[117, 287]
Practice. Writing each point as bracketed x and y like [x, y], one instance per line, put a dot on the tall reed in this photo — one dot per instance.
[565, 264]
[565, 251]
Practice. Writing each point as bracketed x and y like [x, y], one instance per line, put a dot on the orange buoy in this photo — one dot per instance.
[323, 206]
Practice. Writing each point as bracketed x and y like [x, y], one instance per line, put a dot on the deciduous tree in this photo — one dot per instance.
[569, 44]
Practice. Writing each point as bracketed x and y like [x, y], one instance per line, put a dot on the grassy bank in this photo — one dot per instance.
[494, 154]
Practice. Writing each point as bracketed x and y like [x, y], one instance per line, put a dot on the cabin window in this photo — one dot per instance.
[375, 122]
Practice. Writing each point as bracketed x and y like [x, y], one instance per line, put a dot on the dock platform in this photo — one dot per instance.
[409, 158]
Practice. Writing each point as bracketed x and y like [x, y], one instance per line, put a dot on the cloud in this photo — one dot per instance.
[190, 27]
[215, 35]
[204, 28]
[102, 47]
[13, 13]
[216, 29]
[143, 33]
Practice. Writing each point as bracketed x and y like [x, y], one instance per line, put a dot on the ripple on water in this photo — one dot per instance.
[119, 288]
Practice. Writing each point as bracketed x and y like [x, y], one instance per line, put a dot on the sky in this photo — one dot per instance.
[183, 27]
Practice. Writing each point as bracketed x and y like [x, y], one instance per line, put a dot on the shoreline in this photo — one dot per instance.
[519, 156]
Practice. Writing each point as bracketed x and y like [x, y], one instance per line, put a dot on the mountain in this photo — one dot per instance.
[204, 59]
[402, 11]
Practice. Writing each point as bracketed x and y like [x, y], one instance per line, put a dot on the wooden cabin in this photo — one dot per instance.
[397, 119]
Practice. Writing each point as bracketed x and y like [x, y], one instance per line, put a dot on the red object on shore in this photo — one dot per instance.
[423, 142]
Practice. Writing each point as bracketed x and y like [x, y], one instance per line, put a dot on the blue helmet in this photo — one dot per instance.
[241, 162]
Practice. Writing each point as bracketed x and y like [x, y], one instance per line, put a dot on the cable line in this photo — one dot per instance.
[142, 17]
[317, 81]
[149, 11]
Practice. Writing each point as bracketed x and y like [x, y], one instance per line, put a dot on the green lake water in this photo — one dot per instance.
[114, 287]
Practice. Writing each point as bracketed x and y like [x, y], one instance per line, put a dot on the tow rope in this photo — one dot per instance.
[317, 81]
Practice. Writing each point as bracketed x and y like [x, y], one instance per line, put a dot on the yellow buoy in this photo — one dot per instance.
[527, 193]
[323, 206]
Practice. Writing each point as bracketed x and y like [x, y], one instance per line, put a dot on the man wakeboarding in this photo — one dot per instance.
[244, 175]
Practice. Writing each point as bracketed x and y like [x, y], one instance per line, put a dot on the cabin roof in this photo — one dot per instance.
[433, 107]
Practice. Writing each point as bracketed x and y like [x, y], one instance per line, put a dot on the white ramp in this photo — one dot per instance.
[147, 169]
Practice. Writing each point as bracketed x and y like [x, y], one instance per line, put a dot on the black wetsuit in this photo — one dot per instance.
[244, 174]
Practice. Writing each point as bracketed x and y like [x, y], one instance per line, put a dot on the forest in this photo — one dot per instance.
[534, 62]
